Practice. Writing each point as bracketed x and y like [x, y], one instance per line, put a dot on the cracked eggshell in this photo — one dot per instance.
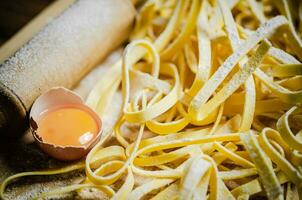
[54, 97]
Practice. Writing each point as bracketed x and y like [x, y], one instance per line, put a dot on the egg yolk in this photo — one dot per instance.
[67, 126]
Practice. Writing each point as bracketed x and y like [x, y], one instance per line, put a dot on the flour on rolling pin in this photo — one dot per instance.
[60, 55]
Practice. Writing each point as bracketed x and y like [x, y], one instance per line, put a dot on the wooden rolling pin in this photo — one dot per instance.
[81, 34]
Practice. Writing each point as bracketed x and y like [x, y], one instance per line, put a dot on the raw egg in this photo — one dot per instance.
[63, 126]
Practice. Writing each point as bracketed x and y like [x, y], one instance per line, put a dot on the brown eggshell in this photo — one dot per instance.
[60, 96]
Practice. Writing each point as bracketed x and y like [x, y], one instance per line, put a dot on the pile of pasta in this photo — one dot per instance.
[212, 94]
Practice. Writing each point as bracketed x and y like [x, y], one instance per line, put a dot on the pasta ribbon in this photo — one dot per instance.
[212, 93]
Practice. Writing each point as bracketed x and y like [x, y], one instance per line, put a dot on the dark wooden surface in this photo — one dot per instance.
[14, 14]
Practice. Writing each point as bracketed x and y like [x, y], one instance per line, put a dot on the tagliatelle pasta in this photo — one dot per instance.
[212, 98]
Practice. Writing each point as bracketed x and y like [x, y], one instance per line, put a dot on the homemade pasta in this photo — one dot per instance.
[212, 94]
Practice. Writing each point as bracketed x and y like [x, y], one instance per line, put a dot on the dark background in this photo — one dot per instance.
[14, 14]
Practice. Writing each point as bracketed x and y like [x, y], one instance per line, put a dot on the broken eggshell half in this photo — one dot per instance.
[53, 98]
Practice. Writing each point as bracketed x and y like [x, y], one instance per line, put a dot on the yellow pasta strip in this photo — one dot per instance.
[249, 101]
[165, 103]
[163, 158]
[125, 190]
[114, 74]
[237, 174]
[195, 171]
[107, 154]
[263, 165]
[238, 79]
[184, 35]
[203, 95]
[220, 157]
[293, 174]
[255, 7]
[204, 50]
[202, 188]
[286, 70]
[286, 133]
[39, 173]
[142, 190]
[284, 94]
[171, 192]
[249, 188]
[237, 159]
[189, 141]
[296, 43]
[205, 83]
